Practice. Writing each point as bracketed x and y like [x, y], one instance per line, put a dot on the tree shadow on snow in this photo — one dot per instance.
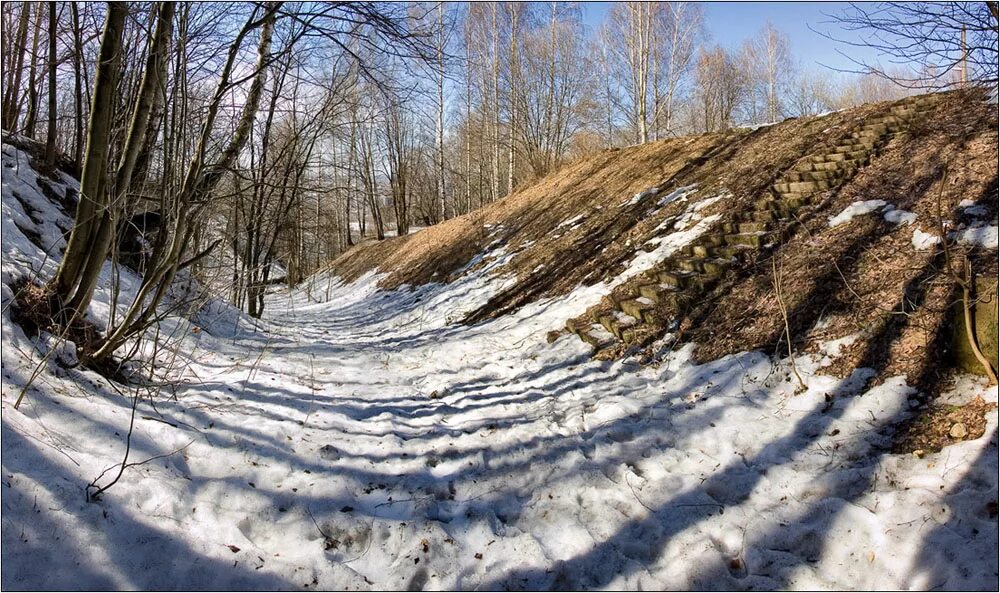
[163, 560]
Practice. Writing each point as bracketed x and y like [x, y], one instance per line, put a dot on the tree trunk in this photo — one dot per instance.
[11, 100]
[93, 205]
[77, 88]
[153, 79]
[50, 136]
[199, 181]
[512, 101]
[31, 118]
[440, 113]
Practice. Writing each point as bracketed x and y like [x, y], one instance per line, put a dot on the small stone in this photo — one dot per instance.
[958, 431]
[919, 453]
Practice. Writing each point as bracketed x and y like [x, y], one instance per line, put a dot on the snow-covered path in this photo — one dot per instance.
[353, 446]
[368, 441]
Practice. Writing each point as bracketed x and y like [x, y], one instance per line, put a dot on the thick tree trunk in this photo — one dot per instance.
[154, 77]
[93, 205]
[199, 182]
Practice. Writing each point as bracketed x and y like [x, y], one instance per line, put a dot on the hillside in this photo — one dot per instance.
[741, 204]
[425, 415]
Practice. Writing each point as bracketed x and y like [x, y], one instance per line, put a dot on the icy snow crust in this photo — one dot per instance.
[366, 442]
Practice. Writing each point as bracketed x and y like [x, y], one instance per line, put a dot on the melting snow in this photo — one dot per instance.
[641, 196]
[923, 241]
[983, 235]
[679, 194]
[571, 222]
[856, 209]
[895, 216]
[889, 212]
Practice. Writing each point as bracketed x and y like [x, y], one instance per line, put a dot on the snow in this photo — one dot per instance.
[364, 442]
[681, 194]
[981, 235]
[573, 224]
[898, 217]
[890, 213]
[923, 241]
[667, 245]
[970, 208]
[856, 209]
[648, 193]
[978, 233]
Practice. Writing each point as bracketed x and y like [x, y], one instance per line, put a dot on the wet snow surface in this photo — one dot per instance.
[359, 439]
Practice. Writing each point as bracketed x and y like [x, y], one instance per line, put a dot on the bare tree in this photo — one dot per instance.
[552, 91]
[677, 28]
[768, 63]
[811, 93]
[398, 138]
[12, 96]
[50, 136]
[31, 117]
[630, 36]
[927, 45]
[720, 87]
[72, 286]
[439, 136]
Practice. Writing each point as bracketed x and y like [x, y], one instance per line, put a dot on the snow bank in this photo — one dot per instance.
[681, 193]
[856, 209]
[667, 245]
[898, 217]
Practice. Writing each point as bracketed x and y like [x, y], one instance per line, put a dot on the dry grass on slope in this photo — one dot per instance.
[527, 216]
[551, 257]
[865, 278]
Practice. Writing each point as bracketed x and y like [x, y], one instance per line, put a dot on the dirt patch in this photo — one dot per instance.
[938, 426]
[579, 224]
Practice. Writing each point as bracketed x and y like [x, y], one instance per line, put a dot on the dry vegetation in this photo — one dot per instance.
[865, 277]
[941, 425]
[742, 161]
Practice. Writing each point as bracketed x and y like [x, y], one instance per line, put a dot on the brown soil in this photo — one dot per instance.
[550, 261]
[935, 427]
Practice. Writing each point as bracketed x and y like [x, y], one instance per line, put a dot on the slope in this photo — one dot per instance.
[689, 234]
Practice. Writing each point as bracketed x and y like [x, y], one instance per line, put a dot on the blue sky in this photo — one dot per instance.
[729, 23]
